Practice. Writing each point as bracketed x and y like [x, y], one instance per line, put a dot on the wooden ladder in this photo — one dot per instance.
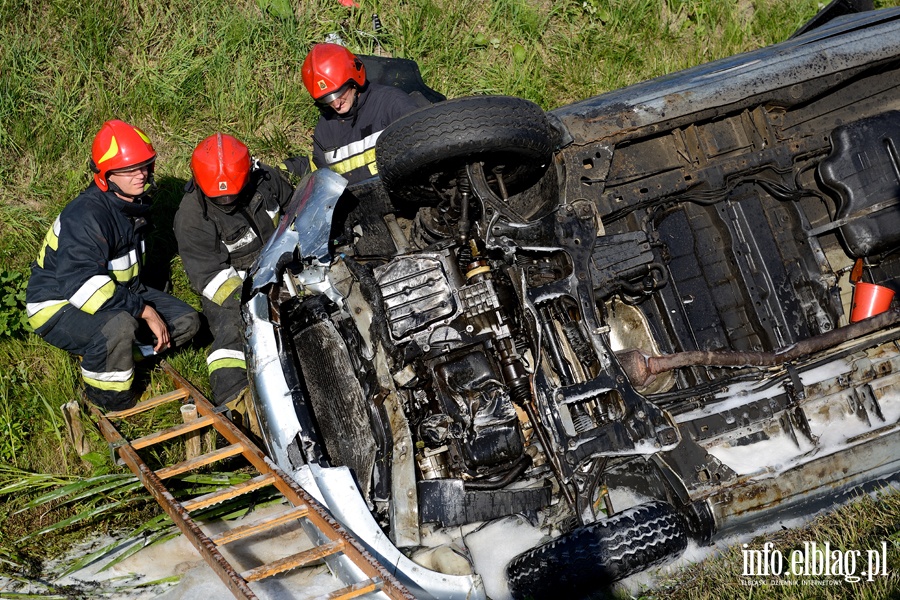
[330, 537]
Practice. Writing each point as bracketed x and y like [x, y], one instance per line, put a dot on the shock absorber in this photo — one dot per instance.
[548, 314]
[464, 187]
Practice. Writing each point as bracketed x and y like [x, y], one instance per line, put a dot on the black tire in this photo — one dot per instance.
[591, 558]
[419, 155]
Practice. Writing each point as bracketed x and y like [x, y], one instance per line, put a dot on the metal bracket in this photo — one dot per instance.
[795, 388]
[113, 446]
[817, 231]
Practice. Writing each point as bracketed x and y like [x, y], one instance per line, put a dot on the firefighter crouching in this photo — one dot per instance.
[85, 293]
[231, 207]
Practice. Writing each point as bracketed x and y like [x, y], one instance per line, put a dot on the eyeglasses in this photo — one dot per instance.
[133, 171]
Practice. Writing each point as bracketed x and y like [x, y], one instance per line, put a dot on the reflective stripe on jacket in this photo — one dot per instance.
[225, 359]
[346, 143]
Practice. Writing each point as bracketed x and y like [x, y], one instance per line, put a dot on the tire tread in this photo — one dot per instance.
[596, 555]
[447, 133]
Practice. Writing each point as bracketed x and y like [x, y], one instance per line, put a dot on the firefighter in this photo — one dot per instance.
[230, 209]
[354, 111]
[85, 293]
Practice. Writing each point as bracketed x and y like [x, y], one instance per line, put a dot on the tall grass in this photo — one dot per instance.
[182, 69]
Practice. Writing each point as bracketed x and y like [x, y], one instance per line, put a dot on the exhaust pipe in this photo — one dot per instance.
[641, 368]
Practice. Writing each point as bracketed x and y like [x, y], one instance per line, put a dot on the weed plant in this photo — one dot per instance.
[183, 69]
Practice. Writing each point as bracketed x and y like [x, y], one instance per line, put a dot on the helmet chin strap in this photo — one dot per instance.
[231, 207]
[149, 190]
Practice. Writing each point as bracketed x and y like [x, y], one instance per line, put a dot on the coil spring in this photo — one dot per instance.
[464, 257]
[576, 339]
[582, 421]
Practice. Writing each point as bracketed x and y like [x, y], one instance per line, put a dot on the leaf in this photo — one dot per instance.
[118, 480]
[171, 579]
[126, 485]
[281, 9]
[87, 514]
[158, 538]
[21, 481]
[96, 459]
[215, 478]
[518, 52]
[89, 558]
[155, 524]
[13, 319]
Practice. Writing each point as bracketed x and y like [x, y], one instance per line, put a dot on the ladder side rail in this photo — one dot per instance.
[358, 554]
[207, 549]
[319, 515]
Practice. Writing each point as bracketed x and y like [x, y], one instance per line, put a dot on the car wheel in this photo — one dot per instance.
[419, 156]
[592, 557]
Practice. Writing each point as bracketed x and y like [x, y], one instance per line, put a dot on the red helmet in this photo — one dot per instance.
[328, 68]
[119, 146]
[221, 165]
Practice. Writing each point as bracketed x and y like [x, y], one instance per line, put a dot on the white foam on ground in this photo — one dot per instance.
[178, 557]
[497, 543]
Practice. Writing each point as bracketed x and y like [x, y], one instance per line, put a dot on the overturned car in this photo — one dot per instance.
[636, 320]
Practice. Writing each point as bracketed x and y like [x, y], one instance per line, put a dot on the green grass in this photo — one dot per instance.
[861, 525]
[184, 69]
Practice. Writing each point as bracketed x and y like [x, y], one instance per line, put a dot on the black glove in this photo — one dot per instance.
[296, 165]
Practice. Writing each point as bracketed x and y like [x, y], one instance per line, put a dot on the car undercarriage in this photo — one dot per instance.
[644, 295]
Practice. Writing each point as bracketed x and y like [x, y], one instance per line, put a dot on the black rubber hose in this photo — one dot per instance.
[517, 469]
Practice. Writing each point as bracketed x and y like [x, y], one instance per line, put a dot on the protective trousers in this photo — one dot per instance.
[226, 363]
[106, 342]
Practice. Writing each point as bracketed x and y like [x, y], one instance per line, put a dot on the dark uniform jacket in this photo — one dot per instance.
[91, 258]
[218, 244]
[346, 143]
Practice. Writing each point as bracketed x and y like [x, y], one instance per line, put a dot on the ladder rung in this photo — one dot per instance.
[200, 461]
[381, 579]
[243, 531]
[171, 432]
[148, 404]
[292, 562]
[353, 591]
[228, 493]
